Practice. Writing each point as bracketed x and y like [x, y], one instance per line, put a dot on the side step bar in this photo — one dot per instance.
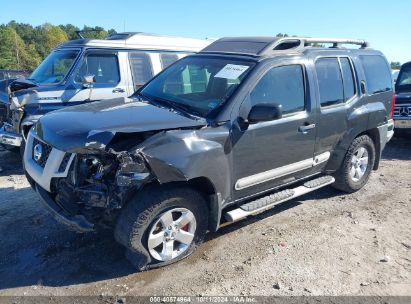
[267, 202]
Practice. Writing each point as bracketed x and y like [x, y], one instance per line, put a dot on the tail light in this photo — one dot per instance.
[392, 105]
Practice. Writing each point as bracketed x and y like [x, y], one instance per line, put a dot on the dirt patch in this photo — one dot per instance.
[325, 243]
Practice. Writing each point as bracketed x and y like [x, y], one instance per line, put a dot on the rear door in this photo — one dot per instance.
[268, 154]
[337, 93]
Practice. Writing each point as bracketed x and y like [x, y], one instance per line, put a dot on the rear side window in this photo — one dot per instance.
[103, 66]
[141, 69]
[348, 78]
[282, 85]
[330, 81]
[377, 74]
[167, 59]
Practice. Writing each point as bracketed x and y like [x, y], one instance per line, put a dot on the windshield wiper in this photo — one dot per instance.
[185, 110]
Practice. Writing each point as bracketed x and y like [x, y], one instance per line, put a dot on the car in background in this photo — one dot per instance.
[86, 70]
[402, 110]
[13, 74]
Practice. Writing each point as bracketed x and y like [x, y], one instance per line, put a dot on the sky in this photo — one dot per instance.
[384, 23]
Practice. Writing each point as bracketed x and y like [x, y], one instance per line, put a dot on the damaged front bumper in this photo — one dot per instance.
[8, 137]
[82, 191]
[77, 223]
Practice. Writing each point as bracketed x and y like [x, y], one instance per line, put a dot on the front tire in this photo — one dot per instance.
[357, 165]
[162, 225]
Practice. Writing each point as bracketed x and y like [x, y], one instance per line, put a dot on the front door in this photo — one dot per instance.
[267, 154]
[109, 83]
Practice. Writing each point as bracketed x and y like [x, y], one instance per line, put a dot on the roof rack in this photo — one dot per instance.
[337, 42]
[260, 46]
[299, 43]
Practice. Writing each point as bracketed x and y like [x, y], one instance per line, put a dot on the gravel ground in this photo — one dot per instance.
[325, 243]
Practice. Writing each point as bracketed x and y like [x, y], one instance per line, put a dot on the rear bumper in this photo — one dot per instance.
[9, 138]
[402, 123]
[390, 130]
[76, 223]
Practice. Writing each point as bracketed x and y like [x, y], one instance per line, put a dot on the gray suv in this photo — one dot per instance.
[232, 131]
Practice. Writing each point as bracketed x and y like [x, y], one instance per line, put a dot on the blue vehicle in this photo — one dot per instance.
[85, 70]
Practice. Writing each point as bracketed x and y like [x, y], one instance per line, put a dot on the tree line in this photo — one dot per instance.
[23, 46]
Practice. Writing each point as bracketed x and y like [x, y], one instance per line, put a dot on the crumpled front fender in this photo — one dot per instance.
[179, 155]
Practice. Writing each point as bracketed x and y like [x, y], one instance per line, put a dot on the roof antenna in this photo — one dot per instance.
[79, 33]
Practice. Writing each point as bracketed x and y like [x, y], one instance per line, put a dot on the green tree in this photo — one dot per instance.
[395, 65]
[70, 30]
[24, 30]
[13, 52]
[54, 36]
[23, 46]
[96, 32]
[281, 35]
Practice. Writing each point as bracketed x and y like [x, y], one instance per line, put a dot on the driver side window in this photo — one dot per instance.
[103, 66]
[282, 85]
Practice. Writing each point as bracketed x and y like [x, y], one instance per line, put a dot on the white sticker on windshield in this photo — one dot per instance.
[231, 71]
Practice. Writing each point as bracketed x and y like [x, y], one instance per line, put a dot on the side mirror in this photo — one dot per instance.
[89, 80]
[264, 112]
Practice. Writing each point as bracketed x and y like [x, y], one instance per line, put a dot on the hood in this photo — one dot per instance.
[93, 125]
[16, 86]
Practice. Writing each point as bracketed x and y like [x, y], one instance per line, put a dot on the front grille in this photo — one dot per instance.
[44, 149]
[402, 111]
[64, 162]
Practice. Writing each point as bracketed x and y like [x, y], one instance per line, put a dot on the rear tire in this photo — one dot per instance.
[357, 165]
[162, 225]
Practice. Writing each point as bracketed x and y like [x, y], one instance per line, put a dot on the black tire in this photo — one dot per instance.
[141, 213]
[343, 180]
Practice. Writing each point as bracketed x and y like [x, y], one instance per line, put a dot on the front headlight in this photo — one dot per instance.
[132, 170]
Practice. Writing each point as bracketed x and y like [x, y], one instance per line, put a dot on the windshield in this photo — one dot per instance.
[198, 84]
[55, 67]
[403, 83]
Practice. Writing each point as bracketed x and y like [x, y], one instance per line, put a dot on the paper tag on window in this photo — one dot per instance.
[231, 71]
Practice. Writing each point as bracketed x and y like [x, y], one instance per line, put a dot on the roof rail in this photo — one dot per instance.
[300, 43]
[337, 42]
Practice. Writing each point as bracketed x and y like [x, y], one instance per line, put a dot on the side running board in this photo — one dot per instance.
[267, 202]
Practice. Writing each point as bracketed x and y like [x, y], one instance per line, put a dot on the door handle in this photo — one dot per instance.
[305, 128]
[118, 90]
